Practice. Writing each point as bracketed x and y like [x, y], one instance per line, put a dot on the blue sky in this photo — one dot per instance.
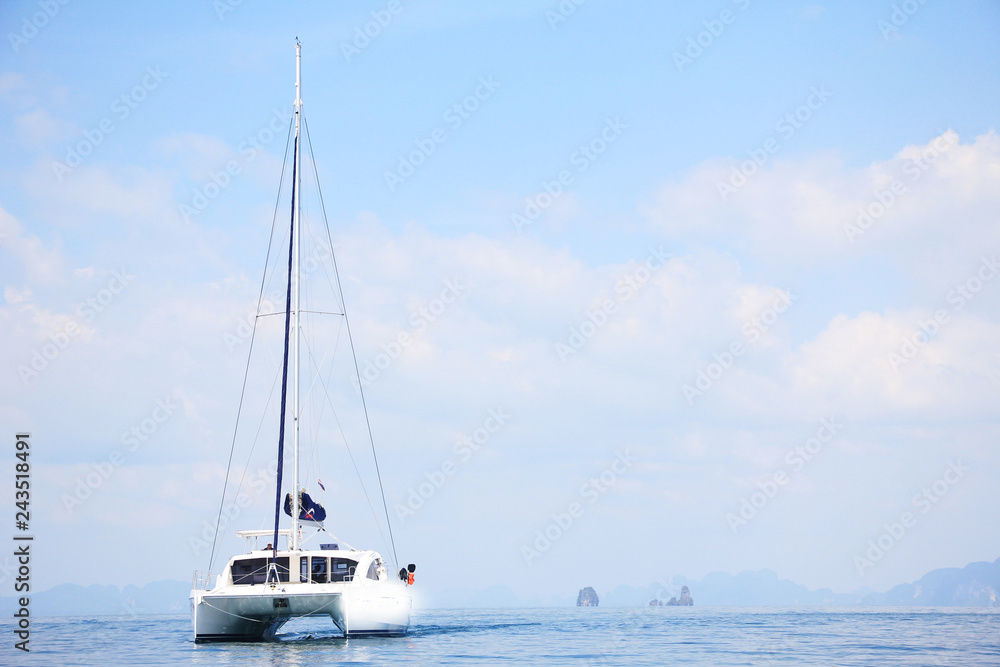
[204, 81]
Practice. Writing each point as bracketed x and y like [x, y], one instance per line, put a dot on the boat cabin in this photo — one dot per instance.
[329, 564]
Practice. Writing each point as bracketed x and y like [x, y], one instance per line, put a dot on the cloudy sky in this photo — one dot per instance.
[679, 289]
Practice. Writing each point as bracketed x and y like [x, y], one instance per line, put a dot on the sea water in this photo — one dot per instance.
[597, 636]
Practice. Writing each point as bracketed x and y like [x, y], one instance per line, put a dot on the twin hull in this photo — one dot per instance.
[255, 613]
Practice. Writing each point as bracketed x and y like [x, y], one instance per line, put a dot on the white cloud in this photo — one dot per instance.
[38, 262]
[848, 368]
[133, 193]
[14, 90]
[798, 211]
[14, 295]
[37, 129]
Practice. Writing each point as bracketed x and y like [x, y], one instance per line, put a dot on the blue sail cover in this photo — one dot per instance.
[309, 509]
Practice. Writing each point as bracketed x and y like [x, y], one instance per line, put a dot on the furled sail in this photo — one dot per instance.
[309, 509]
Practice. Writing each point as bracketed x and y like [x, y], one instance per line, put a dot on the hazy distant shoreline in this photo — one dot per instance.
[975, 585]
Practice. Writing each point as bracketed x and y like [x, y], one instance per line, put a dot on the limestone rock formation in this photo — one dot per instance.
[685, 601]
[587, 597]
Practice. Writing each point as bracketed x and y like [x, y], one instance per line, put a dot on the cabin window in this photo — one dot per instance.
[373, 571]
[282, 569]
[303, 570]
[319, 568]
[342, 569]
[249, 571]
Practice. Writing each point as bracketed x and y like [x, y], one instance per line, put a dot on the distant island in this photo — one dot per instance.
[685, 601]
[975, 585]
[587, 597]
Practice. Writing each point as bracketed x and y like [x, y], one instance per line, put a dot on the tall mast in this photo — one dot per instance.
[294, 543]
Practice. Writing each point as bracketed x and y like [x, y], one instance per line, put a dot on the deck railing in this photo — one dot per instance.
[201, 581]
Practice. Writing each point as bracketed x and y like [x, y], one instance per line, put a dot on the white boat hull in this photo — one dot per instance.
[257, 616]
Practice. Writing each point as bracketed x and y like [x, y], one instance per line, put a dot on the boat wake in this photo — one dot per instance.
[431, 630]
[424, 631]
